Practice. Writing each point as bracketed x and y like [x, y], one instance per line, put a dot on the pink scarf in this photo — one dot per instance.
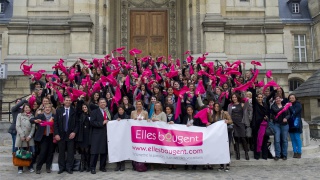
[262, 131]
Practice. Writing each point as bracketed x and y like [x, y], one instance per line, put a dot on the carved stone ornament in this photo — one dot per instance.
[169, 5]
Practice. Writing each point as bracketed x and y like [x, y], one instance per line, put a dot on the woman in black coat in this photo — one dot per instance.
[260, 113]
[120, 115]
[83, 138]
[189, 120]
[44, 135]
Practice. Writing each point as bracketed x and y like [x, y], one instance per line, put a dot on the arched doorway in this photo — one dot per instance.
[163, 22]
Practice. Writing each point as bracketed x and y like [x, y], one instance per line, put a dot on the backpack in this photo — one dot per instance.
[140, 167]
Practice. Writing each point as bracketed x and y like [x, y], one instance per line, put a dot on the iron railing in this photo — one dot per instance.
[8, 112]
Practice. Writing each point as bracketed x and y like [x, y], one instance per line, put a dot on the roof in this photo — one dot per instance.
[288, 17]
[310, 88]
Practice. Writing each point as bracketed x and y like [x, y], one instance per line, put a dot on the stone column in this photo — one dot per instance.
[213, 28]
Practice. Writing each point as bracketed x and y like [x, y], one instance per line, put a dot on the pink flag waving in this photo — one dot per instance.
[178, 108]
[178, 63]
[201, 60]
[257, 63]
[200, 88]
[46, 123]
[32, 100]
[25, 68]
[271, 83]
[189, 59]
[138, 97]
[60, 97]
[260, 84]
[119, 50]
[286, 107]
[127, 83]
[172, 74]
[84, 62]
[117, 96]
[135, 51]
[269, 74]
[191, 71]
[203, 115]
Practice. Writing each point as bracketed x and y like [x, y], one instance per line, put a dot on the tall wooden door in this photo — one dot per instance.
[148, 32]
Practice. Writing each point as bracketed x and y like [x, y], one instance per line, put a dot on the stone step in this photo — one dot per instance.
[5, 149]
[307, 152]
[310, 159]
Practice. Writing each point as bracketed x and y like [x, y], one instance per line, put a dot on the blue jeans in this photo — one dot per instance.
[296, 142]
[13, 141]
[281, 136]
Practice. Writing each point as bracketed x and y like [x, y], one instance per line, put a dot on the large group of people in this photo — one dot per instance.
[69, 109]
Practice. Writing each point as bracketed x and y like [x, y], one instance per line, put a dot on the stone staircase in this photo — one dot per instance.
[310, 154]
[14, 87]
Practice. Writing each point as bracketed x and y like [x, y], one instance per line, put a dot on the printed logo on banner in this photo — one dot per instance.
[165, 137]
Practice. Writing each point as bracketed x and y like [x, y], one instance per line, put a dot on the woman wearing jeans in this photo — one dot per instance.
[281, 129]
[295, 129]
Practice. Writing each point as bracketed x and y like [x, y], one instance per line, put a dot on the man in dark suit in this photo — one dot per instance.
[98, 121]
[65, 129]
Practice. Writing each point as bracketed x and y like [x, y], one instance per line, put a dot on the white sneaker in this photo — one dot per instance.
[20, 171]
[31, 170]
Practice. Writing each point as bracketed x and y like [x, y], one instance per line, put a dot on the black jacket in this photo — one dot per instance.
[82, 120]
[40, 129]
[59, 123]
[99, 132]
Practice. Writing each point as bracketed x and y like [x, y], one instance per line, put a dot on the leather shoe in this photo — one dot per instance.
[48, 170]
[103, 170]
[93, 171]
[38, 171]
[60, 171]
[70, 171]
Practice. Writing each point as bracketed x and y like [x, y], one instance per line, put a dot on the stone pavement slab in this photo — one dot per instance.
[305, 171]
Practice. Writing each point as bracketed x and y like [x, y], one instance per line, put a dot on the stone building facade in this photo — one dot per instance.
[281, 34]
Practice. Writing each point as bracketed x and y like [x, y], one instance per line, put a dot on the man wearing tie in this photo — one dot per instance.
[98, 121]
[65, 129]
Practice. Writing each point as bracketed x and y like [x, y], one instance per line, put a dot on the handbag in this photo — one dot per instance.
[76, 165]
[140, 167]
[248, 132]
[24, 154]
[269, 131]
[22, 157]
[20, 162]
[295, 123]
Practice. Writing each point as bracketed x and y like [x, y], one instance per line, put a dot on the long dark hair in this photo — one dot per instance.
[189, 106]
[85, 104]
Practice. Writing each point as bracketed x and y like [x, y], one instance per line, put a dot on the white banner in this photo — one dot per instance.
[159, 142]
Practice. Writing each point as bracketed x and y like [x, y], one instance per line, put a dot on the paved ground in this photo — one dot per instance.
[306, 171]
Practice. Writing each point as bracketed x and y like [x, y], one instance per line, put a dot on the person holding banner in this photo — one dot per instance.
[190, 120]
[158, 114]
[139, 113]
[120, 115]
[220, 115]
[99, 119]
